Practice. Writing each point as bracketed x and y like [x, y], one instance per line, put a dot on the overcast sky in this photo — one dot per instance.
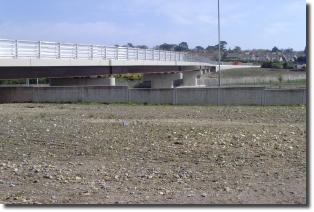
[245, 23]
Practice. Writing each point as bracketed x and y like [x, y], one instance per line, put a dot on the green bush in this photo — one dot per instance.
[277, 65]
[266, 65]
[129, 76]
[288, 66]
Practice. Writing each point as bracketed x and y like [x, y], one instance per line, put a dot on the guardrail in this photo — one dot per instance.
[52, 50]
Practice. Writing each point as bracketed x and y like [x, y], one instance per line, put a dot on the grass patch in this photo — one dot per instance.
[257, 72]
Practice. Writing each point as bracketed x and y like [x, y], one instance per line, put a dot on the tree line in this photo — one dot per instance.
[183, 46]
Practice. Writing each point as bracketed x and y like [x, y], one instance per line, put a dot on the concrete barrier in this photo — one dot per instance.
[152, 96]
[180, 96]
[197, 96]
[104, 94]
[284, 96]
[241, 96]
[16, 94]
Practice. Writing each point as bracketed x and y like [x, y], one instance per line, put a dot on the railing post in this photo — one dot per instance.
[16, 49]
[137, 54]
[153, 54]
[127, 53]
[170, 55]
[144, 54]
[76, 51]
[59, 51]
[91, 52]
[159, 54]
[105, 52]
[117, 53]
[39, 49]
[165, 53]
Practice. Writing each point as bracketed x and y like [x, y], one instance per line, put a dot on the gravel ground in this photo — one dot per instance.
[135, 154]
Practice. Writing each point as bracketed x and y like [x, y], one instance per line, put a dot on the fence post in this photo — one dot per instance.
[144, 54]
[127, 53]
[174, 96]
[263, 97]
[128, 94]
[105, 52]
[117, 53]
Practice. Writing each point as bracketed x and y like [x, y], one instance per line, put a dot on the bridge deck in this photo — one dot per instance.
[36, 59]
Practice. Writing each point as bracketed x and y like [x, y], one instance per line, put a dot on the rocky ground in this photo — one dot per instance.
[128, 154]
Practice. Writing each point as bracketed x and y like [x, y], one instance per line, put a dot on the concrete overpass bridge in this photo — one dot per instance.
[81, 64]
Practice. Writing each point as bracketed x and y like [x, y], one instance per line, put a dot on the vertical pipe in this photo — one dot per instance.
[219, 56]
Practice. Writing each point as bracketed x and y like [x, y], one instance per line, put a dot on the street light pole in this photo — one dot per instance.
[219, 55]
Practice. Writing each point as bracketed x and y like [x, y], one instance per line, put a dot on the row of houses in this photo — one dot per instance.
[262, 56]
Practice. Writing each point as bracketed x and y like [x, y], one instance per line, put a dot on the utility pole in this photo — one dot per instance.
[219, 55]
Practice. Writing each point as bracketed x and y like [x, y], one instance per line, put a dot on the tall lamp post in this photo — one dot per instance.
[219, 55]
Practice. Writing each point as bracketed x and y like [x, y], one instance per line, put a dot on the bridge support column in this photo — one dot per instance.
[164, 80]
[111, 81]
[190, 77]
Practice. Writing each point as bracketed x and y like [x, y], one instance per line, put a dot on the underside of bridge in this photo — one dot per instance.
[12, 72]
[160, 76]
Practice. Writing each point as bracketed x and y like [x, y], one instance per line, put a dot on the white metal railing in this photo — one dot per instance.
[52, 50]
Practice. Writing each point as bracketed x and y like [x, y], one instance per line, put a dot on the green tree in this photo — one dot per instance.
[183, 46]
[210, 48]
[275, 49]
[223, 45]
[237, 49]
[199, 49]
[142, 46]
[167, 47]
[289, 50]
